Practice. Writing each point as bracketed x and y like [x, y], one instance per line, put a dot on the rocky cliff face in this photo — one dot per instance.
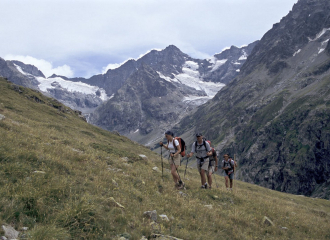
[275, 114]
[15, 74]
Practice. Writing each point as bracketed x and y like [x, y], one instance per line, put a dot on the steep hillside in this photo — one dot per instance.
[275, 114]
[66, 179]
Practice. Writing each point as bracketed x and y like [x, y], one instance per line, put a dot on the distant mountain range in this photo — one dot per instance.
[128, 99]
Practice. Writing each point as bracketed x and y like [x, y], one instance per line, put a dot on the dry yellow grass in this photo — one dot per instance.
[71, 197]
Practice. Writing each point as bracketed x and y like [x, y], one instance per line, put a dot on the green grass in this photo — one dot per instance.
[72, 199]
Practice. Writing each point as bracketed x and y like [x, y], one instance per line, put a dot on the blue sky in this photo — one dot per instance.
[80, 38]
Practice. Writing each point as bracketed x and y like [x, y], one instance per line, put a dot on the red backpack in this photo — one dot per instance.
[182, 145]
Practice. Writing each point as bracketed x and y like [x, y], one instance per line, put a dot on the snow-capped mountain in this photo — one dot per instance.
[77, 95]
[140, 111]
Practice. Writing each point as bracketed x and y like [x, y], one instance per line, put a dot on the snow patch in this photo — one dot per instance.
[237, 63]
[320, 34]
[297, 52]
[136, 130]
[168, 79]
[20, 69]
[325, 42]
[47, 83]
[191, 77]
[243, 57]
[321, 50]
[238, 70]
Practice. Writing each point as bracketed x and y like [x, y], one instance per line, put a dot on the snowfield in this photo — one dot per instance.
[191, 78]
[49, 83]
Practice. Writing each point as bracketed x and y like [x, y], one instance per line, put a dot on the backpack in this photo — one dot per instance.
[230, 163]
[204, 143]
[182, 145]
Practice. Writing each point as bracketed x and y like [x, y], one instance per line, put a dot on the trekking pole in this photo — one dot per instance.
[184, 177]
[234, 171]
[161, 156]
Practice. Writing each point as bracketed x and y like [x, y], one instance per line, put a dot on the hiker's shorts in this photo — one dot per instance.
[210, 170]
[230, 176]
[204, 165]
[176, 159]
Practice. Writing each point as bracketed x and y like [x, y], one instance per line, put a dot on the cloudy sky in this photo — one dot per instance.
[81, 38]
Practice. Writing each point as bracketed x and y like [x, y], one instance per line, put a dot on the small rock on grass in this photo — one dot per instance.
[143, 156]
[156, 169]
[151, 214]
[164, 217]
[10, 232]
[266, 221]
[208, 206]
[42, 172]
[2, 117]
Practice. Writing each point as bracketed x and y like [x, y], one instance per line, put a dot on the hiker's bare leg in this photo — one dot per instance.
[231, 183]
[174, 173]
[226, 181]
[209, 178]
[203, 178]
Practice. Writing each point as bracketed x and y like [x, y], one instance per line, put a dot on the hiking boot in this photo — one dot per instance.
[202, 187]
[181, 186]
[205, 185]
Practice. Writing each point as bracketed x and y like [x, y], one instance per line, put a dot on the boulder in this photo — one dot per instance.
[151, 214]
[10, 232]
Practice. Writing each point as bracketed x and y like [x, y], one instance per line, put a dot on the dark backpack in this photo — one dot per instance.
[182, 145]
[231, 165]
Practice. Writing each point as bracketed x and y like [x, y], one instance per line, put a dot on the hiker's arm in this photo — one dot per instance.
[163, 145]
[178, 151]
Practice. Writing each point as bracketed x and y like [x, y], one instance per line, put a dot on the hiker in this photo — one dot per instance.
[213, 166]
[175, 157]
[228, 165]
[203, 151]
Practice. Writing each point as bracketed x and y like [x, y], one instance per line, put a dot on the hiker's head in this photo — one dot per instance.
[199, 136]
[169, 135]
[226, 156]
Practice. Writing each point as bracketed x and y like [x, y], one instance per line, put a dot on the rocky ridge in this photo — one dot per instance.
[275, 114]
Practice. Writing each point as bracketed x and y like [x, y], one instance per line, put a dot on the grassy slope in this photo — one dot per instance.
[72, 200]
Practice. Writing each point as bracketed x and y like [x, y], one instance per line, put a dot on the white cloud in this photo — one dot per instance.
[43, 65]
[120, 29]
[110, 66]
